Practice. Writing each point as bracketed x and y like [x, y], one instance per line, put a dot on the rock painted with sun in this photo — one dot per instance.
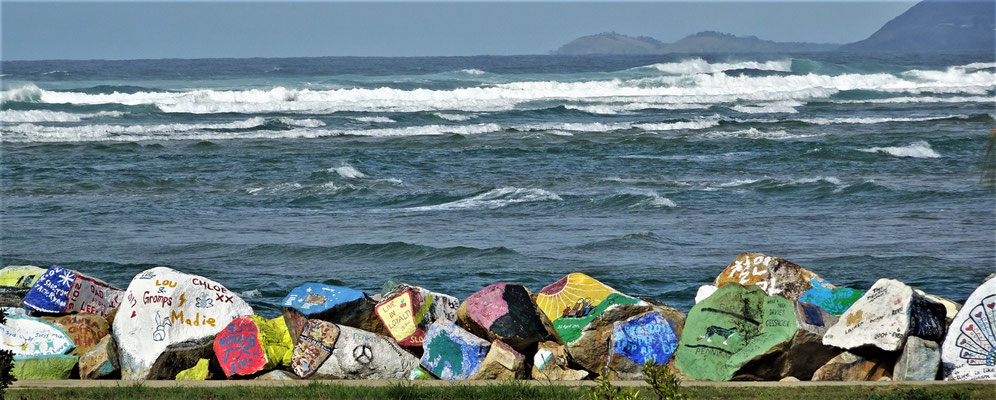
[727, 333]
[969, 348]
[452, 353]
[251, 344]
[886, 314]
[164, 307]
[63, 291]
[775, 275]
[336, 304]
[506, 312]
[407, 311]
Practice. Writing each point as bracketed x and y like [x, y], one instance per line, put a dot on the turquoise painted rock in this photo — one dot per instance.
[49, 367]
[452, 353]
[832, 300]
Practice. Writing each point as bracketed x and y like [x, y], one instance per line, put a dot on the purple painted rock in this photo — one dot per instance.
[63, 291]
[506, 312]
[163, 308]
[407, 311]
[502, 363]
[888, 313]
[452, 353]
[645, 337]
[775, 275]
[969, 349]
[336, 304]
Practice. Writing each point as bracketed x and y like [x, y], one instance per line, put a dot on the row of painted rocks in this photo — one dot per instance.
[763, 318]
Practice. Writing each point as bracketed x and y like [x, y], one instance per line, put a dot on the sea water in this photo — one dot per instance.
[648, 173]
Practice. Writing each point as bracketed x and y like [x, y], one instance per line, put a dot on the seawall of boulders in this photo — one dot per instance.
[762, 318]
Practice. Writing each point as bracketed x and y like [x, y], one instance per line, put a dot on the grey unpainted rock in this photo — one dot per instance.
[180, 356]
[359, 354]
[853, 367]
[919, 361]
[100, 360]
[278, 375]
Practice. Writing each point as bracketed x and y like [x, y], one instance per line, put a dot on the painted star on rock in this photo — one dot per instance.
[66, 279]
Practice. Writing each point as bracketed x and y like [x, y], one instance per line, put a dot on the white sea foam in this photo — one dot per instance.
[924, 99]
[382, 120]
[251, 293]
[699, 66]
[473, 71]
[495, 198]
[52, 116]
[671, 126]
[874, 120]
[805, 181]
[348, 171]
[787, 107]
[654, 200]
[754, 133]
[919, 149]
[454, 117]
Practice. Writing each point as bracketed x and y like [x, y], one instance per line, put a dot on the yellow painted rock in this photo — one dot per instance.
[198, 372]
[22, 276]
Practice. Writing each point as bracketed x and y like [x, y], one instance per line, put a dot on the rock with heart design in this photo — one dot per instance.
[452, 353]
[251, 344]
[506, 312]
[407, 311]
[336, 304]
[886, 314]
[16, 281]
[502, 363]
[63, 291]
[163, 307]
[351, 354]
[969, 348]
[742, 333]
[775, 275]
[552, 363]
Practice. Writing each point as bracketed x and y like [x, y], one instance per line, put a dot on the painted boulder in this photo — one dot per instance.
[888, 313]
[640, 339]
[358, 354]
[775, 275]
[853, 367]
[502, 363]
[180, 356]
[15, 282]
[420, 374]
[199, 372]
[969, 348]
[314, 346]
[551, 362]
[742, 333]
[951, 307]
[506, 312]
[34, 337]
[251, 344]
[832, 300]
[919, 361]
[407, 311]
[164, 307]
[86, 330]
[704, 292]
[50, 367]
[452, 353]
[101, 360]
[63, 291]
[336, 304]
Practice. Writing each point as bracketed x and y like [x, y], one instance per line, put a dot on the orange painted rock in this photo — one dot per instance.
[776, 276]
[86, 329]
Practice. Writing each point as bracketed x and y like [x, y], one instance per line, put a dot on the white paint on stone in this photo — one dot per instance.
[969, 349]
[32, 337]
[704, 292]
[359, 354]
[163, 307]
[879, 318]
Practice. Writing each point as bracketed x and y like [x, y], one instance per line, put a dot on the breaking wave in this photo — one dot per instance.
[52, 116]
[920, 149]
[495, 198]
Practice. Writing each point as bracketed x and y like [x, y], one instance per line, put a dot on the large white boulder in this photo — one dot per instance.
[886, 314]
[162, 307]
[969, 349]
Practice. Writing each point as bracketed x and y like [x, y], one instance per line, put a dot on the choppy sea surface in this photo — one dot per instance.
[650, 174]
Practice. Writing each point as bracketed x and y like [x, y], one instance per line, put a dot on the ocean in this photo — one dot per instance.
[649, 173]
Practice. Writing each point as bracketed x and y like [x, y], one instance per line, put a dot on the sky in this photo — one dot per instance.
[36, 30]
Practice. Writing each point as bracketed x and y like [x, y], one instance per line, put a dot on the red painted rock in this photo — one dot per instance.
[775, 275]
[63, 291]
[407, 311]
[86, 330]
[251, 344]
[506, 312]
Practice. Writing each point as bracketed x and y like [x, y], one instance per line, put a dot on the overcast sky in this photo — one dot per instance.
[36, 30]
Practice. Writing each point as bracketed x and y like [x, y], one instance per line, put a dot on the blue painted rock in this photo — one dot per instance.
[359, 354]
[50, 367]
[775, 275]
[336, 304]
[741, 333]
[645, 337]
[452, 353]
[969, 348]
[407, 311]
[502, 363]
[888, 313]
[165, 308]
[506, 312]
[832, 300]
[33, 337]
[63, 291]
[101, 360]
[550, 363]
[919, 361]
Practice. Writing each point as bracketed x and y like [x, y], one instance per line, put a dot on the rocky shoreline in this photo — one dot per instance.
[763, 319]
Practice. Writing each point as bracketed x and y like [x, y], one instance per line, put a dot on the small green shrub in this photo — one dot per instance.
[6, 362]
[664, 382]
[605, 390]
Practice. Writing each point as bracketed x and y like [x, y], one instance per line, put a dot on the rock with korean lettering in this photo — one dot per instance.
[741, 333]
[645, 337]
[358, 354]
[15, 282]
[452, 353]
[86, 330]
[101, 360]
[552, 363]
[34, 337]
[969, 348]
[506, 312]
[832, 300]
[502, 363]
[251, 344]
[63, 291]
[407, 311]
[336, 304]
[886, 314]
[775, 275]
[164, 307]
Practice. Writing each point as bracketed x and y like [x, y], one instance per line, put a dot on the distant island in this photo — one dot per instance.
[929, 26]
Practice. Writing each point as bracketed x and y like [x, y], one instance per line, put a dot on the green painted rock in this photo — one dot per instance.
[198, 372]
[44, 367]
[741, 333]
